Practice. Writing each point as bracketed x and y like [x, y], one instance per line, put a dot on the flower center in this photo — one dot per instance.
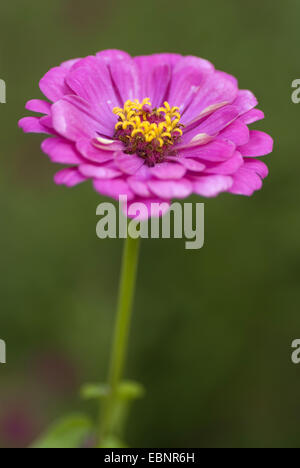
[150, 133]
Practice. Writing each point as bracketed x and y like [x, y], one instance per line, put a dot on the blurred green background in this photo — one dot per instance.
[212, 331]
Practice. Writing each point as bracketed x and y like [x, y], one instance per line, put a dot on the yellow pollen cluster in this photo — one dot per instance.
[135, 116]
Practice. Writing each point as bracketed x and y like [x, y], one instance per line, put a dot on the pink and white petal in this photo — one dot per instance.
[124, 74]
[226, 167]
[252, 116]
[91, 152]
[218, 150]
[107, 144]
[33, 125]
[128, 163]
[139, 187]
[98, 172]
[203, 115]
[217, 88]
[237, 132]
[188, 75]
[142, 209]
[245, 101]
[69, 177]
[114, 188]
[73, 118]
[168, 170]
[169, 189]
[90, 79]
[213, 124]
[257, 166]
[246, 182]
[218, 121]
[61, 151]
[195, 139]
[211, 185]
[260, 144]
[53, 84]
[37, 105]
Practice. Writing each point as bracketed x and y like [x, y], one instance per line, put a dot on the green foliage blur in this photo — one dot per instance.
[212, 331]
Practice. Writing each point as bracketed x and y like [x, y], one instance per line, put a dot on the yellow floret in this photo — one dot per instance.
[134, 115]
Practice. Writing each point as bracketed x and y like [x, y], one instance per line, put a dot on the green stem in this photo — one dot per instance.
[121, 333]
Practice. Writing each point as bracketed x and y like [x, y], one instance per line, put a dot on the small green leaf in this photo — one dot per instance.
[93, 391]
[130, 390]
[69, 432]
[112, 442]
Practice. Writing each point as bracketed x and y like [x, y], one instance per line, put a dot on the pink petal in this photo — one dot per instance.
[128, 163]
[158, 59]
[218, 88]
[246, 182]
[53, 84]
[98, 172]
[168, 170]
[245, 101]
[109, 55]
[124, 74]
[69, 177]
[171, 188]
[32, 125]
[260, 144]
[46, 121]
[211, 186]
[226, 167]
[218, 121]
[107, 144]
[218, 150]
[74, 119]
[195, 139]
[212, 125]
[191, 164]
[203, 115]
[61, 151]
[37, 105]
[139, 187]
[154, 78]
[91, 80]
[189, 73]
[113, 188]
[257, 166]
[237, 132]
[68, 64]
[252, 116]
[91, 152]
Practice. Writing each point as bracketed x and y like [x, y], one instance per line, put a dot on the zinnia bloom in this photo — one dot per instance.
[152, 128]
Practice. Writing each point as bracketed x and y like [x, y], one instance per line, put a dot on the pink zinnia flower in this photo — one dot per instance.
[153, 128]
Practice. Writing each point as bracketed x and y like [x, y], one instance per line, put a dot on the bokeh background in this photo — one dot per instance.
[212, 331]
